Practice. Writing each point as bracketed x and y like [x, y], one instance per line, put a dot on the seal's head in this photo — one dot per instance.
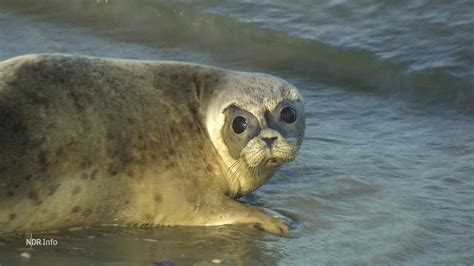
[256, 123]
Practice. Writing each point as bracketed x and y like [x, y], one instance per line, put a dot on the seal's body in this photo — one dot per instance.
[91, 141]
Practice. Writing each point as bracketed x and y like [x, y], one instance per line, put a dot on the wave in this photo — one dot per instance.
[246, 44]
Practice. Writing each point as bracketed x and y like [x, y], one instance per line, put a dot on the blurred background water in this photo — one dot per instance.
[385, 174]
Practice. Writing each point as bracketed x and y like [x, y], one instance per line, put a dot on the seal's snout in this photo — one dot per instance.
[270, 137]
[269, 141]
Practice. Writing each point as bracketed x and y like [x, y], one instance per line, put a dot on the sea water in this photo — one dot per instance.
[386, 171]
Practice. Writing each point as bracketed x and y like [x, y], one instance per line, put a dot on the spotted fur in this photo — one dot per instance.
[94, 141]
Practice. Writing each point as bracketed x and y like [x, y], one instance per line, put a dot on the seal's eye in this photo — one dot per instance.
[288, 115]
[239, 124]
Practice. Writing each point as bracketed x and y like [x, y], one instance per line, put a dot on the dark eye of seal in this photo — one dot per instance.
[288, 115]
[239, 124]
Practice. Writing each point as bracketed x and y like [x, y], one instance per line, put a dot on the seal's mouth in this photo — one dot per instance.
[273, 162]
[277, 161]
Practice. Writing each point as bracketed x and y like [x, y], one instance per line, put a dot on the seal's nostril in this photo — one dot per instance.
[269, 141]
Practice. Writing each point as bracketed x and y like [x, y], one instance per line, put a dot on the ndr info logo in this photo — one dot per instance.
[41, 241]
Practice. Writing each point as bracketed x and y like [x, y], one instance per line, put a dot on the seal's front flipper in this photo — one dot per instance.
[233, 212]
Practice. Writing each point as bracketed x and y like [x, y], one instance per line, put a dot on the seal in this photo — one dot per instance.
[90, 141]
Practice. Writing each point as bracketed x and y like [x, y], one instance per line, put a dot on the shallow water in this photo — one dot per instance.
[385, 175]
